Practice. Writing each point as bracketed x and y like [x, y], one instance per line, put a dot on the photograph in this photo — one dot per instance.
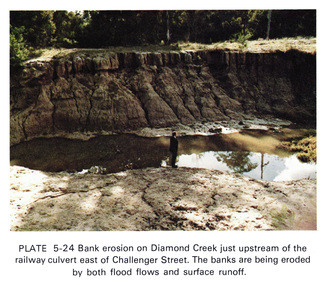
[163, 120]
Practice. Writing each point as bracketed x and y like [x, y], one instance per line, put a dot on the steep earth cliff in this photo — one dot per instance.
[96, 91]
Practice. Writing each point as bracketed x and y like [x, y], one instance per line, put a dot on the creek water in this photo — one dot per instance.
[251, 153]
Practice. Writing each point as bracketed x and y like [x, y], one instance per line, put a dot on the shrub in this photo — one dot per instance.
[305, 148]
[19, 51]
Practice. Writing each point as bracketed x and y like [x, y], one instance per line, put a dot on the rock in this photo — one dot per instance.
[97, 170]
[215, 131]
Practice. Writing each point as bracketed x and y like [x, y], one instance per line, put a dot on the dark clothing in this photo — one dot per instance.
[173, 148]
[173, 145]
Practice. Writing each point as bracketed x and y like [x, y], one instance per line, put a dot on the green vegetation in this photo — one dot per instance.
[30, 30]
[306, 148]
[283, 219]
[18, 49]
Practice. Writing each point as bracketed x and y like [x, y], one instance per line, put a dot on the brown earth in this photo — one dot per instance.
[92, 92]
[157, 199]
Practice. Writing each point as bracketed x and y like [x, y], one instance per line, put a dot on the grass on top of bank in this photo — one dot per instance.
[307, 45]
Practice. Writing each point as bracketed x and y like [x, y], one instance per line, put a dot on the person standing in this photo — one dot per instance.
[173, 149]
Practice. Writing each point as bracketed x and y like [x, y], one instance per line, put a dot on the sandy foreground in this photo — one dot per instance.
[157, 199]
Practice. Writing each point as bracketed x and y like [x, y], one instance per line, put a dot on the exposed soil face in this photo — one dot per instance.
[92, 92]
[157, 199]
[87, 93]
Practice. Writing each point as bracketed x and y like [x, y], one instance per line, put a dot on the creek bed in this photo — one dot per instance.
[253, 153]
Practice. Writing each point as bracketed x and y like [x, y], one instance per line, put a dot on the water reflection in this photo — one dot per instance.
[251, 153]
[253, 164]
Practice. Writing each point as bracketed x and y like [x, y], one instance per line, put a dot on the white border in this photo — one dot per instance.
[315, 240]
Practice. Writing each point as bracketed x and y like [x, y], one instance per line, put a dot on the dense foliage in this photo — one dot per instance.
[93, 29]
[18, 48]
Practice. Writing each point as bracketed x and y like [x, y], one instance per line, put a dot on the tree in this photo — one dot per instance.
[293, 23]
[113, 28]
[168, 26]
[269, 21]
[69, 27]
[238, 161]
[39, 27]
[18, 48]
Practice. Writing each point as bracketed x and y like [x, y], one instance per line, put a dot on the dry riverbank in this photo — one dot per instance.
[157, 199]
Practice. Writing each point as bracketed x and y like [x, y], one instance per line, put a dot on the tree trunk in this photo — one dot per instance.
[269, 21]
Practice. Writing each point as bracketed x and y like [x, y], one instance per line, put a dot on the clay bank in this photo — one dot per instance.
[89, 93]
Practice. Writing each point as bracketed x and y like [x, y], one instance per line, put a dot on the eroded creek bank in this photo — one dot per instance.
[92, 93]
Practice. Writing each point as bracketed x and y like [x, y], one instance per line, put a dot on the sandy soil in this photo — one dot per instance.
[307, 45]
[157, 199]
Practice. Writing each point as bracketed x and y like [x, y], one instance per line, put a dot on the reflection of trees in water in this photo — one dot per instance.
[263, 164]
[238, 161]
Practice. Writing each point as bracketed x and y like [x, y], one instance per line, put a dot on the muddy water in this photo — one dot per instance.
[251, 153]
